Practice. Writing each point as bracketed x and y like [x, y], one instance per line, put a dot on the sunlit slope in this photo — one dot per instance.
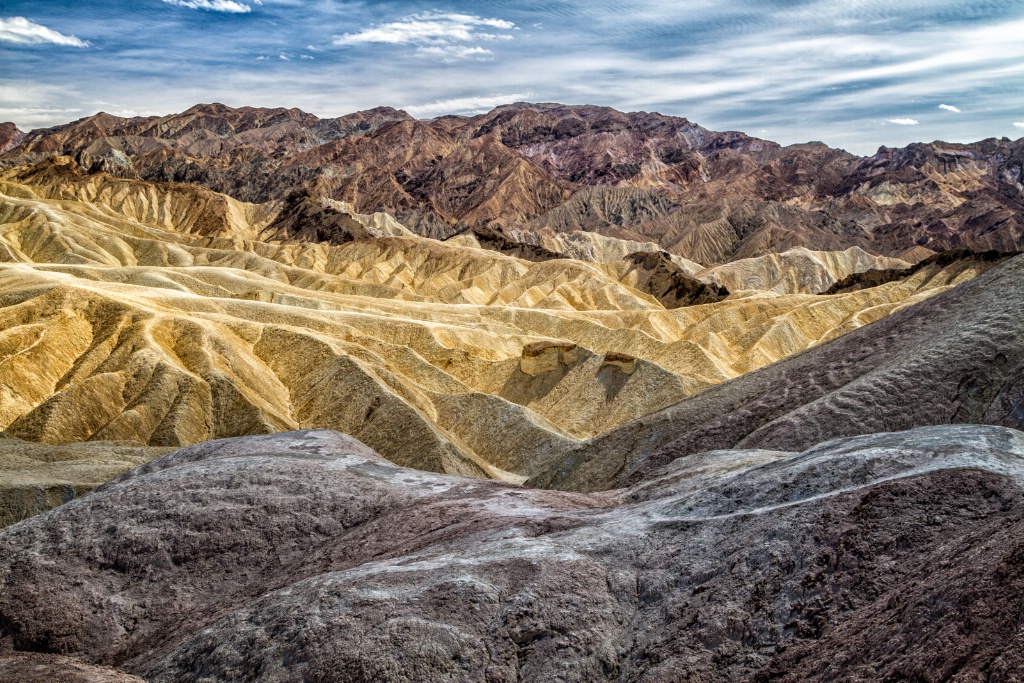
[115, 327]
[798, 270]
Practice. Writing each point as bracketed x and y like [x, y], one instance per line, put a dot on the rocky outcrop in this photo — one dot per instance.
[308, 219]
[307, 557]
[10, 136]
[541, 357]
[493, 240]
[669, 284]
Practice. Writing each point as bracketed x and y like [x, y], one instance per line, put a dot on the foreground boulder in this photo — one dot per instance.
[306, 557]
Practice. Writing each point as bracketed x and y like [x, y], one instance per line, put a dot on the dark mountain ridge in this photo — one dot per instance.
[705, 195]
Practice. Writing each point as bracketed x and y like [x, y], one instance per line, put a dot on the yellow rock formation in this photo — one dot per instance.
[133, 311]
[797, 271]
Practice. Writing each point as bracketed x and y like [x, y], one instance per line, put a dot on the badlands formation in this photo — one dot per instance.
[155, 314]
[551, 393]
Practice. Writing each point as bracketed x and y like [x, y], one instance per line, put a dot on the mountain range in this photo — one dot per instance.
[706, 196]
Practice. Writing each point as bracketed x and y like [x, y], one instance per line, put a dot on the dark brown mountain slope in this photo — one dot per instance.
[10, 136]
[708, 196]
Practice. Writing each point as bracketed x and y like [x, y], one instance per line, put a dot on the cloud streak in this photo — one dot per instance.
[426, 28]
[435, 34]
[212, 5]
[949, 107]
[21, 31]
[465, 105]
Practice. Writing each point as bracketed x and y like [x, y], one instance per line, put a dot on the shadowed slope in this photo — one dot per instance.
[36, 477]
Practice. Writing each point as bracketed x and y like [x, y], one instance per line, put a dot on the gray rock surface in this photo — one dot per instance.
[306, 557]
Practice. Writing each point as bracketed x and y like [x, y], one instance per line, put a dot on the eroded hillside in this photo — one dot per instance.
[168, 315]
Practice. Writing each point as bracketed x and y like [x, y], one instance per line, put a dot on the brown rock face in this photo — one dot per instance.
[10, 136]
[306, 557]
[658, 275]
[707, 196]
[304, 218]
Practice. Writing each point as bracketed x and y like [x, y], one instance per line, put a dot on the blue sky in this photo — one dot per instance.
[856, 74]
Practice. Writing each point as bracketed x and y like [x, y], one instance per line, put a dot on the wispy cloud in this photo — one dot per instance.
[950, 107]
[454, 53]
[36, 111]
[1018, 124]
[465, 105]
[904, 122]
[435, 34]
[20, 30]
[429, 27]
[213, 5]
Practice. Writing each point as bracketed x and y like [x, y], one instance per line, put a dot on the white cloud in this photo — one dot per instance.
[949, 107]
[1018, 124]
[435, 34]
[212, 5]
[452, 53]
[11, 112]
[465, 105]
[24, 32]
[426, 28]
[904, 122]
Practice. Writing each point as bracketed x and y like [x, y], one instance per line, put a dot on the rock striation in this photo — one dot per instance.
[307, 557]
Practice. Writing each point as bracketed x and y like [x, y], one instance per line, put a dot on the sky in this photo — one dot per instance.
[855, 74]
